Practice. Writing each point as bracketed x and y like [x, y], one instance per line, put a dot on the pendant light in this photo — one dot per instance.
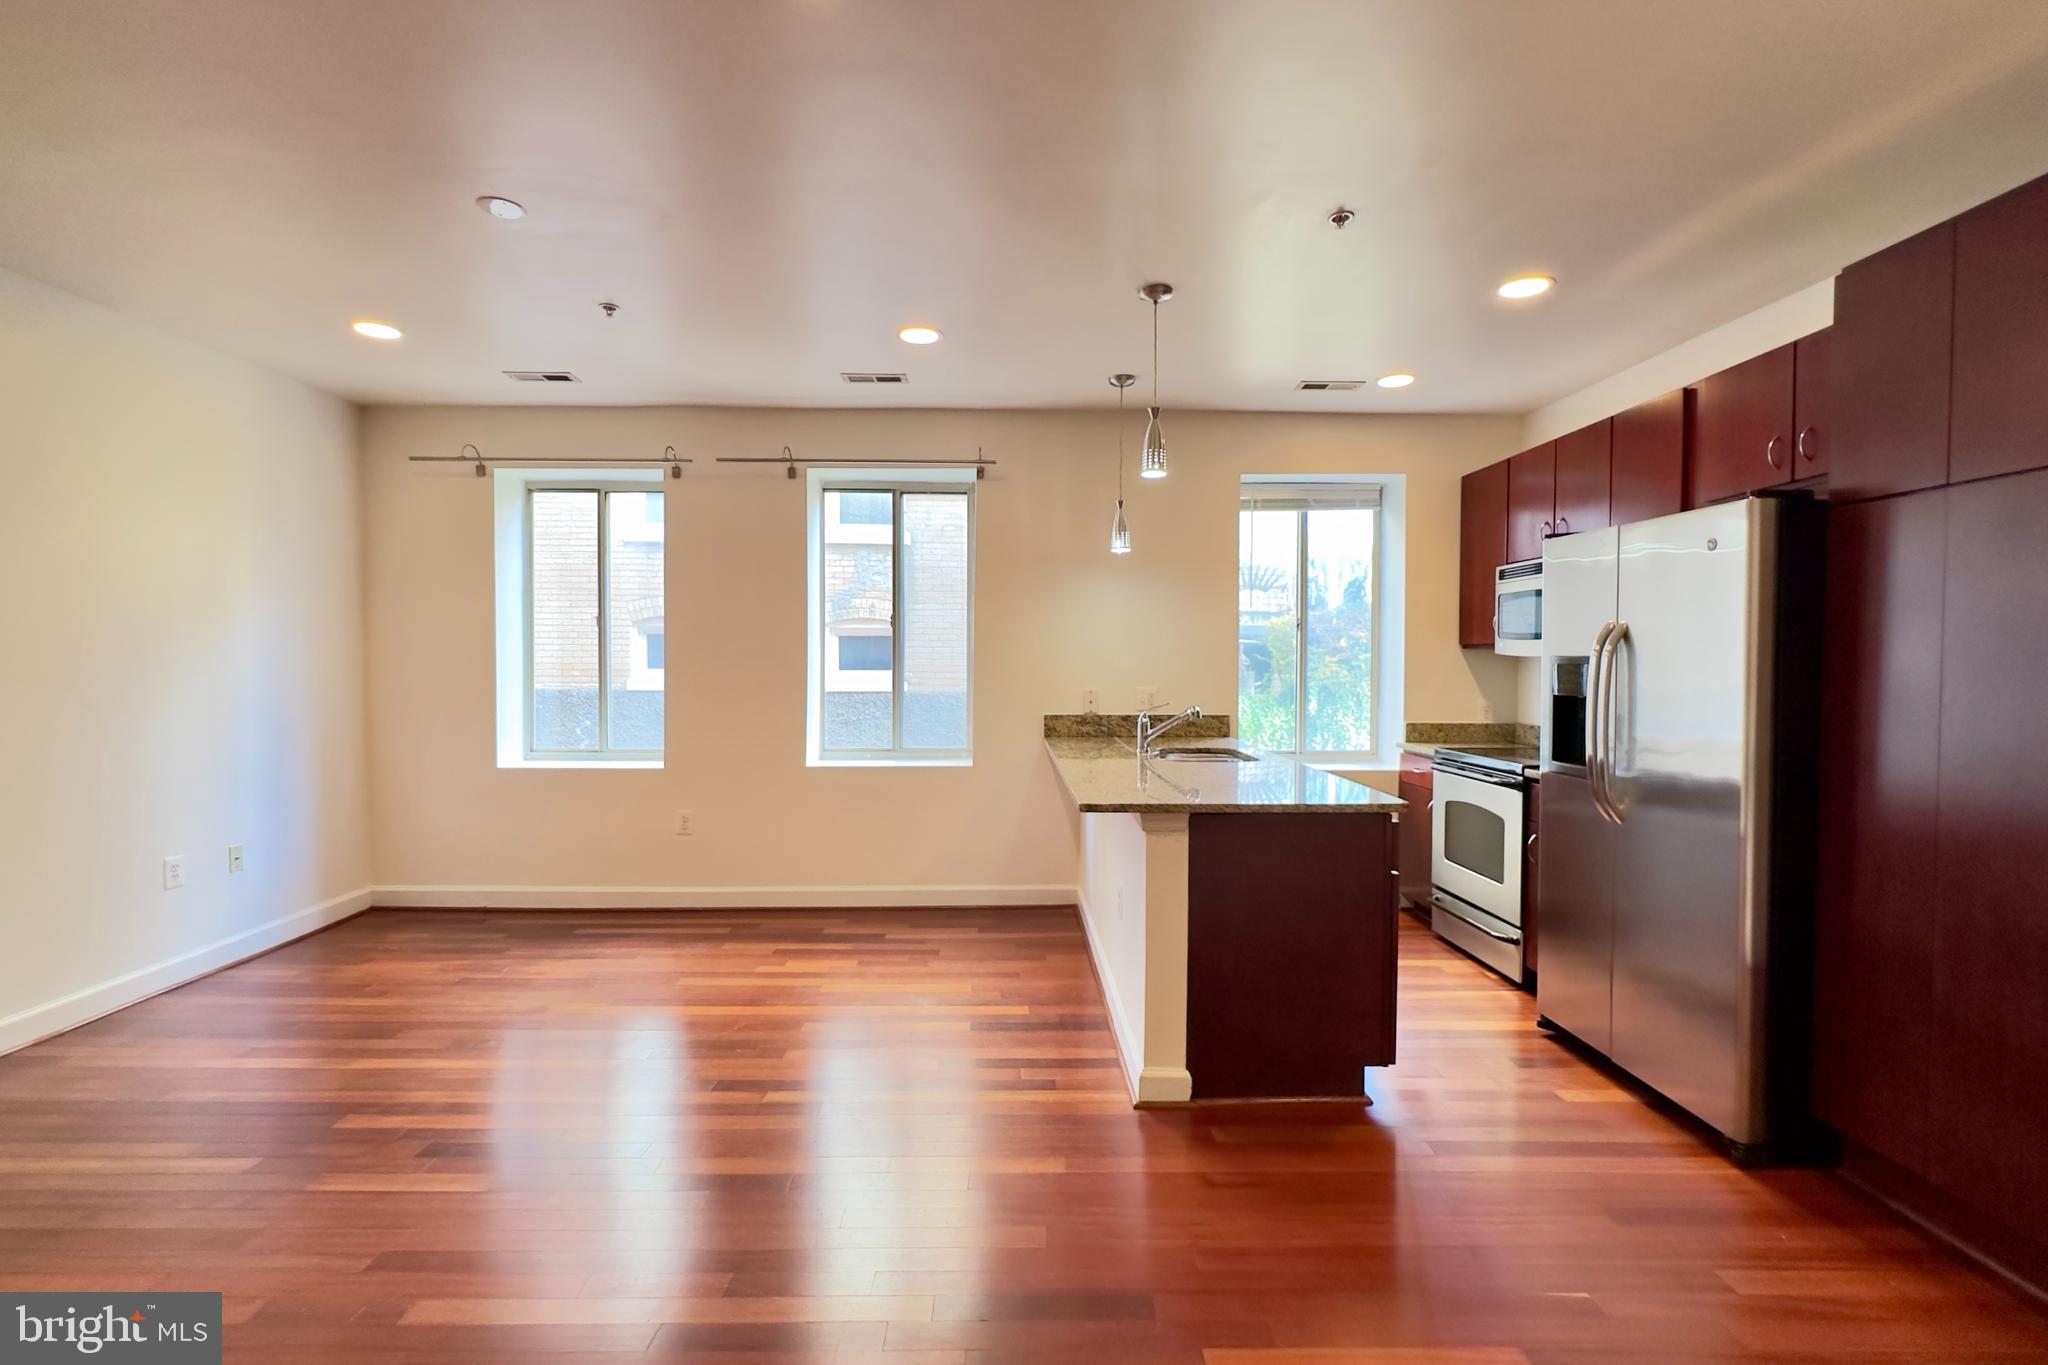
[1152, 461]
[1119, 529]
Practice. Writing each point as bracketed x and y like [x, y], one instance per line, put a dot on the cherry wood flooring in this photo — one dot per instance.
[901, 1137]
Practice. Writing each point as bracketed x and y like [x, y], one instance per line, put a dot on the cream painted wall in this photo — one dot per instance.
[1055, 614]
[1752, 334]
[181, 545]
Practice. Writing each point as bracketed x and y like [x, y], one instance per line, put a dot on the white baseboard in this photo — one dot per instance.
[717, 897]
[1119, 1023]
[83, 1006]
[1165, 1085]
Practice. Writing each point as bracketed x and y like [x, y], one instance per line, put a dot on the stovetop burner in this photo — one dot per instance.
[1506, 758]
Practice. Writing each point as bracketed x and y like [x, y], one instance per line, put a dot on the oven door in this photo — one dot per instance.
[1477, 836]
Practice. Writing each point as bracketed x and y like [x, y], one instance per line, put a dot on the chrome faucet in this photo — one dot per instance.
[1150, 730]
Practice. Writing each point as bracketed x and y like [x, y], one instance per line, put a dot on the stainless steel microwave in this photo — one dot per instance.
[1518, 608]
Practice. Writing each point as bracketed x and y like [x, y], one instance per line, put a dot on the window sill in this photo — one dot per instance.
[889, 762]
[592, 764]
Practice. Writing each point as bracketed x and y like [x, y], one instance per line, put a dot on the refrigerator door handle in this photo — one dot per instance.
[1608, 735]
[1593, 721]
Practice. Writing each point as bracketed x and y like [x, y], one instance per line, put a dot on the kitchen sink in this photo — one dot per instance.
[1193, 754]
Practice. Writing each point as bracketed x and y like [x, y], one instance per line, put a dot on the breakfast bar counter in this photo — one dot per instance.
[1241, 914]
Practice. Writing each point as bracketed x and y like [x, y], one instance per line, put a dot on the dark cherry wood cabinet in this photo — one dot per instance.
[1482, 548]
[1291, 956]
[1647, 465]
[1930, 1020]
[1742, 429]
[1999, 423]
[1894, 323]
[1990, 989]
[1416, 837]
[1532, 501]
[1813, 404]
[1877, 919]
[1585, 461]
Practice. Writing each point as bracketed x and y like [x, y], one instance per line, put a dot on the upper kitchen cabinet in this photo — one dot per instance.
[1647, 469]
[1894, 321]
[1482, 548]
[1999, 424]
[1742, 429]
[1813, 403]
[1584, 462]
[1532, 501]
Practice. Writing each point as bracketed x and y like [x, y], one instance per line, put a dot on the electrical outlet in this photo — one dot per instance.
[1148, 695]
[174, 872]
[234, 857]
[1090, 701]
[686, 822]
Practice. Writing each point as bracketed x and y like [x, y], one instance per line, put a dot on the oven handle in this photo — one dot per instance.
[1444, 903]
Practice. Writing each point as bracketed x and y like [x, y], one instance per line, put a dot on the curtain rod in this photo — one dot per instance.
[668, 459]
[980, 464]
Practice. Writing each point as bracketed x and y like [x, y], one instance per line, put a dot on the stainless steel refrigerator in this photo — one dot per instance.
[1680, 659]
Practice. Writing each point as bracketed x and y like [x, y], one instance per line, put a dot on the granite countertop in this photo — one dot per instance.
[1104, 774]
[1426, 738]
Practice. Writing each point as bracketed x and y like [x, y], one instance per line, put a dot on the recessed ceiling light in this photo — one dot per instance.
[377, 331]
[1526, 286]
[1400, 379]
[918, 335]
[508, 209]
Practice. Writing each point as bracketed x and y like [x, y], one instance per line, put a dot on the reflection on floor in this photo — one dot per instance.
[897, 1136]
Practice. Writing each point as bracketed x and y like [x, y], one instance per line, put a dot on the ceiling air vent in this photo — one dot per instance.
[1329, 385]
[874, 378]
[542, 376]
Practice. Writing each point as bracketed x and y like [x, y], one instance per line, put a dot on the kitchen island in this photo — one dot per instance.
[1241, 915]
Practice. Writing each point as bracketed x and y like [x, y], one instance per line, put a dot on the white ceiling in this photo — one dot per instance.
[769, 188]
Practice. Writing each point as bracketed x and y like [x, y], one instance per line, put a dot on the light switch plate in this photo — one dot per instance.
[235, 861]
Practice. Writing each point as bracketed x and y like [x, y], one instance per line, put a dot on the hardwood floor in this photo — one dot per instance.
[899, 1137]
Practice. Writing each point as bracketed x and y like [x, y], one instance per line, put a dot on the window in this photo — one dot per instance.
[595, 640]
[892, 621]
[1308, 617]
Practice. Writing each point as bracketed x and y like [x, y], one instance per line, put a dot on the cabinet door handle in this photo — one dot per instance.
[1771, 452]
[1800, 446]
[1564, 526]
[1531, 843]
[1547, 528]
